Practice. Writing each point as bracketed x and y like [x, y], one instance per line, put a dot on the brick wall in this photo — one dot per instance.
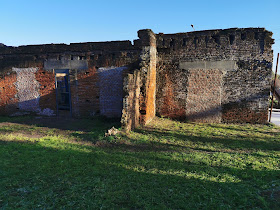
[204, 96]
[47, 101]
[203, 76]
[243, 55]
[84, 92]
[111, 91]
[27, 89]
[92, 92]
[131, 102]
[7, 93]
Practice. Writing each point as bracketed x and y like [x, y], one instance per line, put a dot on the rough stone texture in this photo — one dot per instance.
[84, 92]
[111, 91]
[244, 56]
[82, 60]
[148, 59]
[171, 94]
[204, 96]
[47, 101]
[131, 101]
[140, 84]
[202, 76]
[8, 101]
[27, 89]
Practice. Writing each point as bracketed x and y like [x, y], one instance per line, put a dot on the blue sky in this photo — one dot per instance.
[66, 21]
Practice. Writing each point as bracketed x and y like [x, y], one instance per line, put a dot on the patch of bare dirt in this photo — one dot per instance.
[27, 130]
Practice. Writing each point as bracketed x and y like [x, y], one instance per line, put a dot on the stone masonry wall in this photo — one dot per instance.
[7, 92]
[204, 95]
[140, 84]
[27, 89]
[148, 59]
[131, 102]
[111, 91]
[243, 55]
[81, 59]
[202, 76]
[46, 80]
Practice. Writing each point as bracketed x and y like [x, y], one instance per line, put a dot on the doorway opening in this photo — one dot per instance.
[63, 96]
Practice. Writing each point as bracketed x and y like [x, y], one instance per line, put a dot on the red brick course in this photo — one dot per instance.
[8, 91]
[47, 88]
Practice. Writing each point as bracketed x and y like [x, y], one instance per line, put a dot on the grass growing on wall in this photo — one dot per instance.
[50, 164]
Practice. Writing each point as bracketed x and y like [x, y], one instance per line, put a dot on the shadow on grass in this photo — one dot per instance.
[235, 142]
[73, 124]
[244, 129]
[73, 176]
[92, 129]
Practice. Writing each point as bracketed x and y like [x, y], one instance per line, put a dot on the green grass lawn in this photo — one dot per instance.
[49, 164]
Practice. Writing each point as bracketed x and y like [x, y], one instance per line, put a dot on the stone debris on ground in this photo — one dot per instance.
[112, 132]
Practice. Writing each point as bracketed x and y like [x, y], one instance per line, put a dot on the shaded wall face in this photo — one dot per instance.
[246, 92]
[27, 88]
[207, 76]
[7, 93]
[23, 92]
[171, 92]
[131, 102]
[84, 92]
[244, 58]
[111, 91]
[95, 77]
[93, 92]
[47, 101]
[204, 97]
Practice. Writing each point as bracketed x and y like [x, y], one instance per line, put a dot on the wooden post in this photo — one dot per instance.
[273, 88]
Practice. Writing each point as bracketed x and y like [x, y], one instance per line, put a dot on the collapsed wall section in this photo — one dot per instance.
[204, 57]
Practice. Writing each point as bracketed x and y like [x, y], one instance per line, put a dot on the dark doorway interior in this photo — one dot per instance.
[63, 99]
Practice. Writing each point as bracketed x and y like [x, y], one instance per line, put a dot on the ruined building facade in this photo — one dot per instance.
[202, 76]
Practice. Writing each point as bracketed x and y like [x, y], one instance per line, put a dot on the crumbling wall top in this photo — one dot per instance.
[73, 47]
[217, 37]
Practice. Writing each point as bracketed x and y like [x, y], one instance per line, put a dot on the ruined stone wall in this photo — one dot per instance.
[84, 92]
[148, 60]
[47, 102]
[28, 77]
[111, 91]
[7, 93]
[203, 76]
[204, 96]
[131, 102]
[27, 89]
[194, 66]
[140, 84]
[24, 93]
